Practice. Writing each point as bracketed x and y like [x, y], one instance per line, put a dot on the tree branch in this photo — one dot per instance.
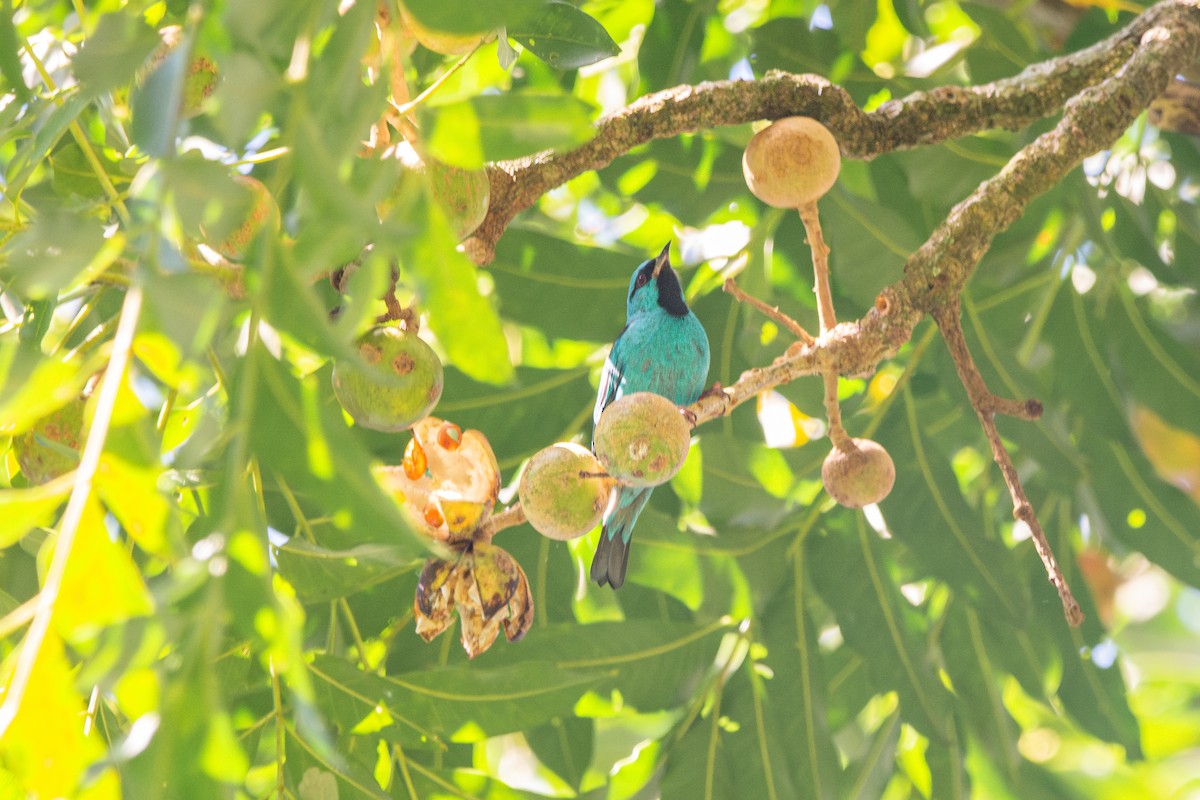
[936, 273]
[986, 406]
[922, 118]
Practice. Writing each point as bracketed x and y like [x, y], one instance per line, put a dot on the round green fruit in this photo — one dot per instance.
[563, 492]
[51, 447]
[398, 382]
[859, 476]
[642, 439]
[461, 194]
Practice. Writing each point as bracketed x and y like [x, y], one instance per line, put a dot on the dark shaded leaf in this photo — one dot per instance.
[848, 568]
[565, 746]
[564, 37]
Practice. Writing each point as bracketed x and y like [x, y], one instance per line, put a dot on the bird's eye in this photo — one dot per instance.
[642, 279]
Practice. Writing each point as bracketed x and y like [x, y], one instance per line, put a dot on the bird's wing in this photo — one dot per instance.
[610, 379]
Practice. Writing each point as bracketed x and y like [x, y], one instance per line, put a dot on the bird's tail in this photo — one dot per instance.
[612, 553]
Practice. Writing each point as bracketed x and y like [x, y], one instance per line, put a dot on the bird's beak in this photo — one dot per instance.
[663, 260]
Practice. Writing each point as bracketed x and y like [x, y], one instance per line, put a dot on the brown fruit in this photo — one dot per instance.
[51, 447]
[792, 162]
[858, 477]
[488, 589]
[559, 502]
[642, 439]
[399, 384]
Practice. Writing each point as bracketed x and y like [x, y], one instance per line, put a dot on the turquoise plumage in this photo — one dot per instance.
[663, 349]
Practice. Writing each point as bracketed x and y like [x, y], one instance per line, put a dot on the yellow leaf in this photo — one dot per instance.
[1107, 5]
[23, 509]
[1174, 452]
[131, 493]
[101, 585]
[44, 746]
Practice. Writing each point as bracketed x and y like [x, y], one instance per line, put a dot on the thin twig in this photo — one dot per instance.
[405, 108]
[986, 406]
[827, 320]
[772, 312]
[395, 311]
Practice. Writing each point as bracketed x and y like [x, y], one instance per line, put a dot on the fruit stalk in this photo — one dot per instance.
[820, 257]
[827, 319]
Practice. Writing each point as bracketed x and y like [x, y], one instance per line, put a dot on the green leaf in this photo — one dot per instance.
[73, 173]
[497, 128]
[798, 682]
[464, 16]
[463, 319]
[541, 407]
[131, 494]
[868, 245]
[943, 534]
[1092, 689]
[868, 776]
[565, 746]
[564, 37]
[848, 567]
[46, 257]
[32, 387]
[672, 45]
[10, 63]
[51, 122]
[320, 574]
[84, 605]
[156, 101]
[561, 288]
[648, 662]
[117, 48]
[428, 782]
[1155, 369]
[451, 703]
[298, 435]
[317, 774]
[979, 684]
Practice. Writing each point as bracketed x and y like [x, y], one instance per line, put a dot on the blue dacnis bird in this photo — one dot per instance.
[663, 349]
